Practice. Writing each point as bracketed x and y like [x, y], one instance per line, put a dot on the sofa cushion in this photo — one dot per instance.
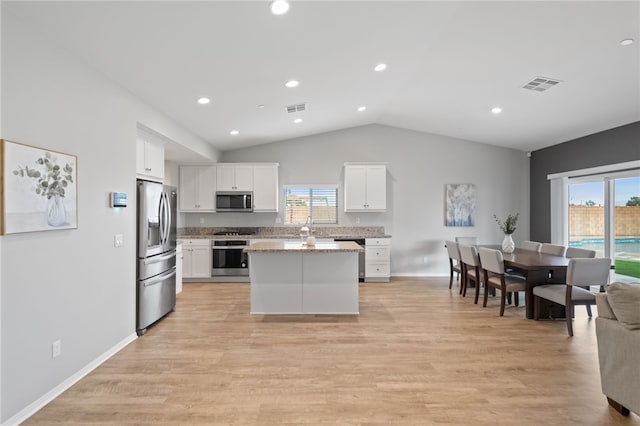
[604, 308]
[624, 300]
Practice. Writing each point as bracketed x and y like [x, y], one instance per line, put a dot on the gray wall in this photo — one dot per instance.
[613, 146]
[418, 167]
[71, 285]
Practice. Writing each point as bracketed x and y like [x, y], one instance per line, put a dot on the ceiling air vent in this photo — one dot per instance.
[296, 108]
[540, 84]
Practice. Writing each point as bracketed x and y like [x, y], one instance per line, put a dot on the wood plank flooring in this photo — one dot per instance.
[418, 354]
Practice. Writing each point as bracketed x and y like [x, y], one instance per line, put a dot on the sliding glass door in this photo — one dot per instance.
[604, 215]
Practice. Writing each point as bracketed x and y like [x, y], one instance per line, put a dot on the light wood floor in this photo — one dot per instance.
[418, 354]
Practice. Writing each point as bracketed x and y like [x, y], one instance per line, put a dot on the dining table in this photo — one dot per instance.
[537, 269]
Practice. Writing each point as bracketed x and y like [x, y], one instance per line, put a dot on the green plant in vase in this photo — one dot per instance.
[508, 227]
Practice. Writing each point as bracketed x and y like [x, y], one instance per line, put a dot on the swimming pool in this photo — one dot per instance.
[629, 246]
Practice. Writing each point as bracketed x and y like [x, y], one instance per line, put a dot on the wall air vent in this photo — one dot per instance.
[540, 84]
[296, 108]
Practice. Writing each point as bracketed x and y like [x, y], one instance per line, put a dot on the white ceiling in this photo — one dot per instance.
[448, 62]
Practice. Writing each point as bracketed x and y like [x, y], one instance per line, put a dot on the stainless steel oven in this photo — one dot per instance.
[229, 258]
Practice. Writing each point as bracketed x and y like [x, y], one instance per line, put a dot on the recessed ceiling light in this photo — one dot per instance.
[260, 106]
[627, 42]
[203, 100]
[292, 83]
[380, 67]
[297, 120]
[362, 108]
[496, 110]
[279, 7]
[234, 132]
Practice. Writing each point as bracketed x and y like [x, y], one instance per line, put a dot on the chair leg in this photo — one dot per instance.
[486, 295]
[450, 273]
[568, 312]
[588, 310]
[477, 292]
[503, 297]
[509, 298]
[516, 298]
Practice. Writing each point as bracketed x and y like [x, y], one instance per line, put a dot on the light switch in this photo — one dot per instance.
[118, 240]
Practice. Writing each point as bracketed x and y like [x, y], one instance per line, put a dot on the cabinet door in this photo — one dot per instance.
[265, 188]
[244, 178]
[200, 262]
[355, 188]
[376, 187]
[186, 262]
[225, 178]
[154, 159]
[188, 188]
[140, 156]
[206, 189]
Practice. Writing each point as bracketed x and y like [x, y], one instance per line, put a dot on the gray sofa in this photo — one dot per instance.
[618, 335]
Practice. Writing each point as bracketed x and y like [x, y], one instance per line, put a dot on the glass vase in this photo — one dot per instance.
[56, 212]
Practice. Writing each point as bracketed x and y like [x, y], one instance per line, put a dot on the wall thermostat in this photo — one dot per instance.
[118, 199]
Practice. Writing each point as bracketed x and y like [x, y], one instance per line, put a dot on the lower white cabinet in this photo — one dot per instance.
[377, 259]
[196, 258]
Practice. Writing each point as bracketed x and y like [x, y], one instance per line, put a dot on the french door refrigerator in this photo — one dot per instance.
[156, 258]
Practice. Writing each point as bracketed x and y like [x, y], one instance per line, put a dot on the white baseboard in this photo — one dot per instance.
[36, 405]
[429, 275]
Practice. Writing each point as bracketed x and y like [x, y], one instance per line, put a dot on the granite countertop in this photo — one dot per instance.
[291, 247]
[284, 233]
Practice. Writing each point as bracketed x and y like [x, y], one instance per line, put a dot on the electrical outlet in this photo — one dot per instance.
[56, 349]
[201, 220]
[357, 220]
[118, 240]
[425, 259]
[278, 219]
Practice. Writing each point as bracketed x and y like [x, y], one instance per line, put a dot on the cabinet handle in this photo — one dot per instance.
[147, 169]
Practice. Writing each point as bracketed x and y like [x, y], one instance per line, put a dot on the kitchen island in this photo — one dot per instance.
[293, 278]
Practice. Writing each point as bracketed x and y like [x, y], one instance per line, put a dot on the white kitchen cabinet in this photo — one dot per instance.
[196, 258]
[265, 188]
[234, 177]
[365, 187]
[197, 188]
[149, 157]
[377, 259]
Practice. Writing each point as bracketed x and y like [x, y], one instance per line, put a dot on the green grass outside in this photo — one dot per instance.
[628, 268]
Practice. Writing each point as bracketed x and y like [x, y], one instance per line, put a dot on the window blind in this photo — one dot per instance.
[319, 203]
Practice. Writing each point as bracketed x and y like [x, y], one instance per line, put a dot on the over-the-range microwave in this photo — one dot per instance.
[234, 201]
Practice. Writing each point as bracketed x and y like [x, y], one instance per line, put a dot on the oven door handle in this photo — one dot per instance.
[229, 247]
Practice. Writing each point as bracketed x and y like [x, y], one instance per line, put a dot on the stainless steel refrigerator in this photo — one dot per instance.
[156, 269]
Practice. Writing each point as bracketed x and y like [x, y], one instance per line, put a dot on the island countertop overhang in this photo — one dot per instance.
[293, 247]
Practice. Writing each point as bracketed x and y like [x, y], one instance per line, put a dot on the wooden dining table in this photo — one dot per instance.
[538, 269]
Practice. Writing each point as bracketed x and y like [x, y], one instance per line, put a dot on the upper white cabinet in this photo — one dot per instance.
[234, 177]
[197, 188]
[265, 188]
[149, 156]
[365, 187]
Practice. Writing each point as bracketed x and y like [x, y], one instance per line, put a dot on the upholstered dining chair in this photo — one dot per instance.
[530, 245]
[454, 260]
[580, 273]
[469, 241]
[575, 252]
[495, 277]
[547, 248]
[471, 268]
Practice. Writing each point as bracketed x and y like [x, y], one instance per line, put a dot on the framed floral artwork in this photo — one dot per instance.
[39, 189]
[460, 204]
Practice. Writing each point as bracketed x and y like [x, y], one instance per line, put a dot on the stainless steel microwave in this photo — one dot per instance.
[234, 201]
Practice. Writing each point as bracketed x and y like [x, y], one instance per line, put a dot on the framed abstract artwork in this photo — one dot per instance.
[460, 204]
[39, 189]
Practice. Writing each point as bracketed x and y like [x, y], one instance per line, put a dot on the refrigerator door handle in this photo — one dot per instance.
[156, 259]
[159, 278]
[169, 216]
[161, 213]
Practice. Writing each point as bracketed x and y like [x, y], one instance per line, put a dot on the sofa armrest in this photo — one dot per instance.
[618, 350]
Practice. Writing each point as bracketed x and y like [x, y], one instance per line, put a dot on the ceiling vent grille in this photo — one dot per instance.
[296, 108]
[540, 84]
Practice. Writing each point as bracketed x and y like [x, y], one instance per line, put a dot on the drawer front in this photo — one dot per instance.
[377, 242]
[199, 242]
[377, 253]
[377, 270]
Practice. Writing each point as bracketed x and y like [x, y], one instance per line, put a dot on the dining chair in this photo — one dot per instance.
[575, 252]
[454, 260]
[495, 277]
[530, 245]
[470, 241]
[471, 268]
[580, 273]
[547, 248]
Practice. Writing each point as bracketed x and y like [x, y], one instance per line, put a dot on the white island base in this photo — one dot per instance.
[290, 278]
